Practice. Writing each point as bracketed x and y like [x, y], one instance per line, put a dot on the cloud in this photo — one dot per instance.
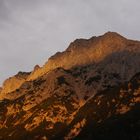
[33, 30]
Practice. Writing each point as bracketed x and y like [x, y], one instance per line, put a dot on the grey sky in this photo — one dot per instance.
[33, 30]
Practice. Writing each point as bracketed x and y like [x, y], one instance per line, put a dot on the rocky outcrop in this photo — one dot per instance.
[14, 83]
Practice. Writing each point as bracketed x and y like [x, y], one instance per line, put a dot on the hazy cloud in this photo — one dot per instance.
[32, 30]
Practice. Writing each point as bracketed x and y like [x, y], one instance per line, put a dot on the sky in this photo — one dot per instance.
[33, 30]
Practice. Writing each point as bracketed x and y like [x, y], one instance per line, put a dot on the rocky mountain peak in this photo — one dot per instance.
[94, 50]
[113, 35]
[110, 48]
[89, 91]
[107, 38]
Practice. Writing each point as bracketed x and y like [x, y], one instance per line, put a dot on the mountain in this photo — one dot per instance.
[89, 91]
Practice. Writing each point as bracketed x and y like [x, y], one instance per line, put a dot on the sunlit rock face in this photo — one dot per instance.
[86, 92]
[93, 51]
[13, 83]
